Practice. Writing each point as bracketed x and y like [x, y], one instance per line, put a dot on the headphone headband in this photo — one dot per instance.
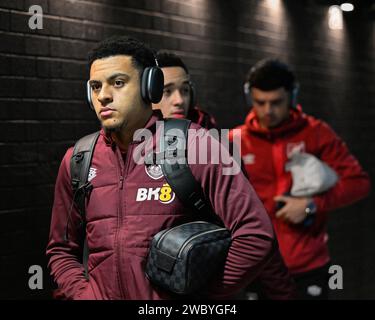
[156, 62]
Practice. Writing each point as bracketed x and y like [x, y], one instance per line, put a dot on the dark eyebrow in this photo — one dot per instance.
[259, 100]
[92, 82]
[113, 76]
[172, 84]
[277, 100]
[118, 74]
[272, 101]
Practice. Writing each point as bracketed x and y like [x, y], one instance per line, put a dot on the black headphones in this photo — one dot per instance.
[193, 95]
[152, 85]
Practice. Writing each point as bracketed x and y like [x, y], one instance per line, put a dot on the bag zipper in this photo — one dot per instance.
[196, 236]
[162, 237]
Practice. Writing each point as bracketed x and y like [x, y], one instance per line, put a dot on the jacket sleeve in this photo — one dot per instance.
[235, 201]
[353, 183]
[65, 254]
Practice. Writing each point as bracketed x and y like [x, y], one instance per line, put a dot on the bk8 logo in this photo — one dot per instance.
[164, 194]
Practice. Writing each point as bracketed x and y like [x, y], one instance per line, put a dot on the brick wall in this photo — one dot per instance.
[42, 107]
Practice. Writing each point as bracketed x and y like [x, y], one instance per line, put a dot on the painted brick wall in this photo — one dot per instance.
[42, 107]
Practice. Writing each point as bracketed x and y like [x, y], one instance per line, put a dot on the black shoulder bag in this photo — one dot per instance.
[185, 258]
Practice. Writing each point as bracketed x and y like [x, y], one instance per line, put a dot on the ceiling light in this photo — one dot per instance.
[335, 19]
[347, 7]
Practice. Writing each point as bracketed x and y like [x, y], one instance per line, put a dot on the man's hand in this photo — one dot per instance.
[294, 209]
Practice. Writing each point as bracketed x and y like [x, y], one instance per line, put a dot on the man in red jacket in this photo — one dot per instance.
[179, 96]
[274, 130]
[121, 221]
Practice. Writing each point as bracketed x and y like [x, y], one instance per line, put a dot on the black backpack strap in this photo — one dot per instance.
[79, 171]
[174, 144]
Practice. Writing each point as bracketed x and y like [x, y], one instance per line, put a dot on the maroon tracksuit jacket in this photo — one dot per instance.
[129, 204]
[203, 118]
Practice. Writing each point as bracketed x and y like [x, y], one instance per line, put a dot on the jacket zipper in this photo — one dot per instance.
[123, 175]
[196, 236]
[119, 222]
[162, 237]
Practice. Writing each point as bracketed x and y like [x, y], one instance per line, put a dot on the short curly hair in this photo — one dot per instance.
[271, 74]
[142, 55]
[169, 59]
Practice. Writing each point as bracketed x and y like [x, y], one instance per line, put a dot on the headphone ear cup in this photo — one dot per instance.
[152, 84]
[246, 90]
[89, 95]
[193, 95]
[294, 96]
[144, 81]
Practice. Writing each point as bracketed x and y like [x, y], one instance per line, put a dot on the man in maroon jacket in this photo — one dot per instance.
[275, 131]
[179, 96]
[121, 220]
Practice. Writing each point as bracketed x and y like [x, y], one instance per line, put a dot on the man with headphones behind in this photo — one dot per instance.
[129, 201]
[179, 95]
[274, 130]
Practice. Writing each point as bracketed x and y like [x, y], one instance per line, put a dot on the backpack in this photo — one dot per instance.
[178, 175]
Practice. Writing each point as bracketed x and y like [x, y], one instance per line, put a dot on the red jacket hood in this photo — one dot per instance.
[296, 121]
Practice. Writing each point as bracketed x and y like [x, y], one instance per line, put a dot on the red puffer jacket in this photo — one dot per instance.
[265, 153]
[125, 210]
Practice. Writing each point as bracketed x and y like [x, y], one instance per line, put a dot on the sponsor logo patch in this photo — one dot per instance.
[162, 194]
[92, 174]
[154, 171]
[248, 158]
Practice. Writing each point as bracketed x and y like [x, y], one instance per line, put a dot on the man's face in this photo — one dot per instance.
[116, 93]
[271, 107]
[176, 96]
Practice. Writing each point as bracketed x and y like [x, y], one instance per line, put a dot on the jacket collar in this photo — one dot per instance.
[296, 121]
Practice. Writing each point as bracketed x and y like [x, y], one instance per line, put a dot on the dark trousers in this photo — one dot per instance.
[311, 285]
